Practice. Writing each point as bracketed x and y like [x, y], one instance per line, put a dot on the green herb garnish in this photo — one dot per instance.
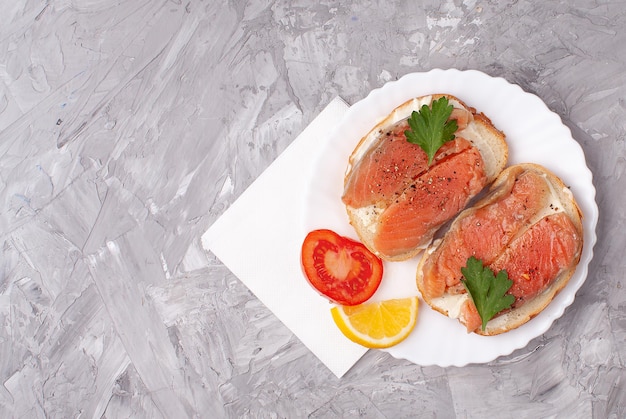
[430, 127]
[488, 291]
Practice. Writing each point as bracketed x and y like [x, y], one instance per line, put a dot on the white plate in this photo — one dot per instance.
[534, 134]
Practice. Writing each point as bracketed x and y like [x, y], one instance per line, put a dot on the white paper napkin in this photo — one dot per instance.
[259, 239]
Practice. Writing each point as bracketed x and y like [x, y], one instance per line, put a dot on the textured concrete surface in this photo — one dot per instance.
[127, 128]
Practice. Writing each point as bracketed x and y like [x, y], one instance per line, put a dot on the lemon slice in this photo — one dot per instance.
[377, 324]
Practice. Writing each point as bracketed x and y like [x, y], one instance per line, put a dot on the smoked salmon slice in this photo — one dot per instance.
[538, 256]
[470, 316]
[484, 231]
[432, 199]
[389, 167]
[533, 261]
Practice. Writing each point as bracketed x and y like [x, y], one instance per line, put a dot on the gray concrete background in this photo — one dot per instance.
[126, 130]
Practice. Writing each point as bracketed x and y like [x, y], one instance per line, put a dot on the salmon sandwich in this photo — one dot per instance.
[504, 259]
[416, 170]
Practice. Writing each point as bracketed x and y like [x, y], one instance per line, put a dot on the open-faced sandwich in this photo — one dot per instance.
[416, 170]
[504, 259]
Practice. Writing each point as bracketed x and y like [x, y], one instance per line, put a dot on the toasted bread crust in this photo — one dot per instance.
[480, 132]
[534, 306]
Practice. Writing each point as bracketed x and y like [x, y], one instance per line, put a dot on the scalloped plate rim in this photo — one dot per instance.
[322, 194]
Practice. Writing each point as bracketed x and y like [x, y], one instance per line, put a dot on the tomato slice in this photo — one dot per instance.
[341, 269]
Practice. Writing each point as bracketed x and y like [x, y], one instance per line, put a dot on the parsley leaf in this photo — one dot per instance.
[488, 291]
[430, 127]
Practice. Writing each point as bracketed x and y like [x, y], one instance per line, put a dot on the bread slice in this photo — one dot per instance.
[479, 131]
[561, 200]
